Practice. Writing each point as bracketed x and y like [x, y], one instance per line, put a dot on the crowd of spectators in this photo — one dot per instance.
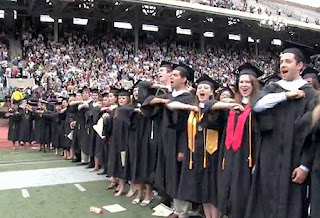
[243, 5]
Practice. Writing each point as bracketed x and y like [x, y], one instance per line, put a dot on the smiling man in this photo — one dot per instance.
[284, 110]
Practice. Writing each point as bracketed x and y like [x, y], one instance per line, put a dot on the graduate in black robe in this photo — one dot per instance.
[315, 173]
[14, 123]
[44, 126]
[237, 151]
[173, 133]
[26, 123]
[109, 103]
[198, 181]
[283, 112]
[118, 129]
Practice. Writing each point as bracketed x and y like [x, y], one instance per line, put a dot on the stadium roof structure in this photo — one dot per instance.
[170, 14]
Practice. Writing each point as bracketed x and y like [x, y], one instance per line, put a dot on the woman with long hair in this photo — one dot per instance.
[236, 156]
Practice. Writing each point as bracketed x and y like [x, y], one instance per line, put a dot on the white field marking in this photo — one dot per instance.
[25, 193]
[14, 163]
[80, 187]
[46, 177]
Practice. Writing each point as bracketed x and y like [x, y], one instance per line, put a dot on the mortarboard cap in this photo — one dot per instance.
[114, 91]
[310, 72]
[208, 80]
[124, 92]
[249, 69]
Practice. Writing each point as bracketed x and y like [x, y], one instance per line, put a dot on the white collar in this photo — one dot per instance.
[176, 93]
[292, 85]
[201, 105]
[245, 100]
[112, 107]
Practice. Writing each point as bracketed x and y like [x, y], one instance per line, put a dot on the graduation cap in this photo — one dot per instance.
[114, 91]
[310, 72]
[205, 79]
[223, 89]
[104, 94]
[185, 71]
[248, 69]
[124, 92]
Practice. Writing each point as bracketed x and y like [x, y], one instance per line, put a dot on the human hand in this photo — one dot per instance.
[299, 175]
[295, 94]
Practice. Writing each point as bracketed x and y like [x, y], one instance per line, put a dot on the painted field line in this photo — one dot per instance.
[80, 187]
[25, 193]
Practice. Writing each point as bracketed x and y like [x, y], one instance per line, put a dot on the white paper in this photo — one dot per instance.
[123, 158]
[162, 210]
[99, 127]
[25, 193]
[114, 208]
[70, 135]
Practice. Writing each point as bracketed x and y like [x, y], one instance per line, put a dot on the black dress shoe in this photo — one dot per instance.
[81, 164]
[90, 165]
[102, 173]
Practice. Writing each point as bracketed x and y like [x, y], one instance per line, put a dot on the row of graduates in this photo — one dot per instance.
[247, 156]
[244, 157]
[39, 122]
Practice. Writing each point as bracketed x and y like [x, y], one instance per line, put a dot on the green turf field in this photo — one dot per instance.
[64, 200]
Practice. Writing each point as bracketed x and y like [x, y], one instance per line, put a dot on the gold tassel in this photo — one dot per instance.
[204, 149]
[223, 163]
[190, 161]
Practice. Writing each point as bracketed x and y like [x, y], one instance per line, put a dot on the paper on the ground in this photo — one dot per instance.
[25, 193]
[162, 210]
[114, 208]
[70, 135]
[99, 128]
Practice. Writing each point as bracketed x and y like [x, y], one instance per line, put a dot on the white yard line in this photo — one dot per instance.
[80, 187]
[25, 193]
[46, 177]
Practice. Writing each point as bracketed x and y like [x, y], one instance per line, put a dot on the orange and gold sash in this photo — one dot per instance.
[210, 138]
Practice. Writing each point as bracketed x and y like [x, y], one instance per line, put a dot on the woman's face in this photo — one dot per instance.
[123, 100]
[245, 86]
[225, 94]
[204, 92]
[136, 93]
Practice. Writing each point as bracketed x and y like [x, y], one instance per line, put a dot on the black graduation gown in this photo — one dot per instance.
[173, 140]
[137, 167]
[117, 129]
[14, 127]
[199, 184]
[64, 127]
[86, 131]
[44, 129]
[234, 173]
[91, 118]
[74, 115]
[36, 127]
[315, 174]
[281, 149]
[25, 134]
[97, 141]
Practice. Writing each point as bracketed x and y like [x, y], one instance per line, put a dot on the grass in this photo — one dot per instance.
[67, 201]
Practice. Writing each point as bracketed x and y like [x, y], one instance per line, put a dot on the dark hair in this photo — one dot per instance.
[255, 89]
[298, 55]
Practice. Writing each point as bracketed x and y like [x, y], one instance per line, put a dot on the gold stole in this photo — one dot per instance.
[210, 138]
